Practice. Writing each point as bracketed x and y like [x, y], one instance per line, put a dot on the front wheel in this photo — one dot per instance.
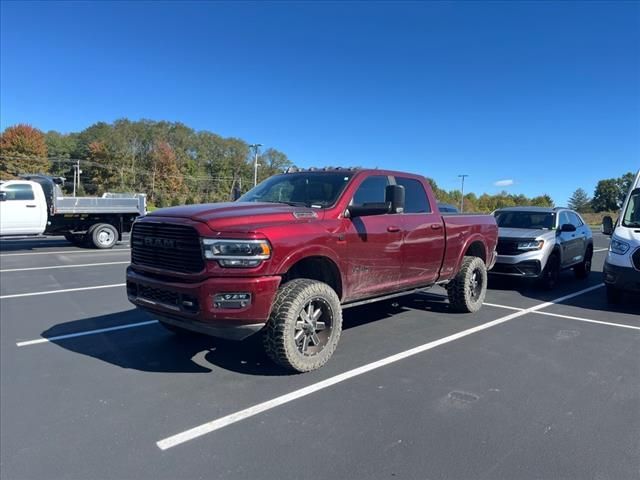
[467, 290]
[103, 235]
[551, 273]
[304, 326]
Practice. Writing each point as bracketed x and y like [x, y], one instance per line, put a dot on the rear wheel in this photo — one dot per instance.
[551, 272]
[467, 290]
[103, 235]
[304, 326]
[583, 269]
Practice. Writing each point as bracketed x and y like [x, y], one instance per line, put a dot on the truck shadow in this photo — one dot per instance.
[151, 348]
[13, 245]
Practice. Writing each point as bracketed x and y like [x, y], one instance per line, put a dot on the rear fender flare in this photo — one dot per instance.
[476, 237]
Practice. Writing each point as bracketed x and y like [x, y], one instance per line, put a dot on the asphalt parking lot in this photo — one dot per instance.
[536, 385]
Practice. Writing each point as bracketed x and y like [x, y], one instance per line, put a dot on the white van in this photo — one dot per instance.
[622, 267]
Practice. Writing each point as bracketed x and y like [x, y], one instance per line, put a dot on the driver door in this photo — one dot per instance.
[374, 244]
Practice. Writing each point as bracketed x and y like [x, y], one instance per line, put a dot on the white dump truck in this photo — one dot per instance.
[35, 205]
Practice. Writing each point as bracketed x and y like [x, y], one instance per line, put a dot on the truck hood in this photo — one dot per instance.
[524, 233]
[240, 216]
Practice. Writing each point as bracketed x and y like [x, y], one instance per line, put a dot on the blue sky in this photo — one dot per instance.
[546, 94]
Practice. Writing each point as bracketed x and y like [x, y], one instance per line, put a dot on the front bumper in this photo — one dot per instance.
[191, 305]
[525, 268]
[624, 278]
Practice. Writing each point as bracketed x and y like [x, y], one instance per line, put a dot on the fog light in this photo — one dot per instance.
[231, 300]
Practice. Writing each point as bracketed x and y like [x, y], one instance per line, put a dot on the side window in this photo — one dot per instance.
[416, 200]
[564, 218]
[575, 220]
[19, 192]
[372, 190]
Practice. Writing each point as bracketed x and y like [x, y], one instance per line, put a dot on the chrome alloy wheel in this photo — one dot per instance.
[313, 327]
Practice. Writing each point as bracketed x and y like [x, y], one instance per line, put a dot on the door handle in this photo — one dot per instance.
[393, 229]
[436, 226]
[31, 206]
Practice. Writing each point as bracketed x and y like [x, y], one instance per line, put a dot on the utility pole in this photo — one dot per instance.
[462, 198]
[76, 176]
[256, 147]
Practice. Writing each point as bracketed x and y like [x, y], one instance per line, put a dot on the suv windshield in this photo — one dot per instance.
[631, 216]
[310, 189]
[531, 220]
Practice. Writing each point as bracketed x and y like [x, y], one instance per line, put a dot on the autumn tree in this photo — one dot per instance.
[165, 179]
[22, 150]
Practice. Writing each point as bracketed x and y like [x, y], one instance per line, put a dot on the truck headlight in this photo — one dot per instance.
[236, 253]
[530, 245]
[618, 246]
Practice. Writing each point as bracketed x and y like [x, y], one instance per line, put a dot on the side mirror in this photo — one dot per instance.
[394, 197]
[367, 209]
[607, 225]
[568, 227]
[3, 196]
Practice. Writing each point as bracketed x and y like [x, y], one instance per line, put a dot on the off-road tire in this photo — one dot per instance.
[464, 296]
[614, 295]
[551, 273]
[279, 337]
[103, 235]
[583, 269]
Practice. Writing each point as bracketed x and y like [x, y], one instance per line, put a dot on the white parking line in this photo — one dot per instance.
[227, 420]
[600, 250]
[80, 289]
[62, 266]
[588, 320]
[495, 305]
[66, 252]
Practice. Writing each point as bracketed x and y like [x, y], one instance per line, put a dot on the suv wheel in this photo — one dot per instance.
[304, 326]
[467, 290]
[583, 269]
[551, 272]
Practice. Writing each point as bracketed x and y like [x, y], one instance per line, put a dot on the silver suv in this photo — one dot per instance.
[536, 242]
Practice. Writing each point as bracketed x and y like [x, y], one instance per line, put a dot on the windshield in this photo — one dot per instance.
[631, 216]
[309, 189]
[530, 220]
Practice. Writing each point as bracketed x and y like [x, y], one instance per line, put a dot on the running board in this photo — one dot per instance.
[386, 297]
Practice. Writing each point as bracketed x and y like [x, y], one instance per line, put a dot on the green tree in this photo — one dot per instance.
[624, 185]
[22, 150]
[580, 201]
[271, 162]
[542, 201]
[606, 196]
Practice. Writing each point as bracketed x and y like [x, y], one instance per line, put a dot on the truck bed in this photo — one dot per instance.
[106, 204]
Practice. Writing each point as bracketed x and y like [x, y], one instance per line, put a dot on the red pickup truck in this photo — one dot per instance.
[288, 256]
